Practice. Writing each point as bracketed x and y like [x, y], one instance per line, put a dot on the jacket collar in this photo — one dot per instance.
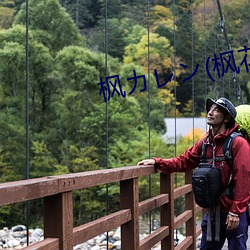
[221, 136]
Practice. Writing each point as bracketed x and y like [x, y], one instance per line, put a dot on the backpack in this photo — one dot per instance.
[206, 179]
[243, 120]
[206, 185]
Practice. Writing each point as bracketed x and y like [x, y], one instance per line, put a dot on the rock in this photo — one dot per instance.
[18, 234]
[111, 239]
[111, 233]
[100, 238]
[13, 243]
[117, 234]
[38, 232]
[95, 248]
[80, 246]
[3, 233]
[91, 242]
[23, 240]
[117, 244]
[18, 228]
[103, 243]
[16, 238]
[18, 247]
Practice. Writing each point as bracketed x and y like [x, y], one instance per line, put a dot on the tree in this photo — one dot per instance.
[40, 60]
[150, 94]
[6, 17]
[117, 31]
[161, 16]
[84, 13]
[53, 25]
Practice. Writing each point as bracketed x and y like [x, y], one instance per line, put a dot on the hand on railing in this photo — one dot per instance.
[146, 162]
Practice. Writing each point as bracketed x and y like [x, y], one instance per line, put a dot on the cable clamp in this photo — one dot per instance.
[222, 24]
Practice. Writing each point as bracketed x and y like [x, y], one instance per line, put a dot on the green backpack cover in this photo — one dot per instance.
[243, 119]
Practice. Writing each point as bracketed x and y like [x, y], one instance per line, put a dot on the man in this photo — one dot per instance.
[221, 115]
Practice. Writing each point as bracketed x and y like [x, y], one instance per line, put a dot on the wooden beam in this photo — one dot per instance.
[182, 218]
[152, 203]
[58, 219]
[46, 244]
[167, 210]
[129, 197]
[149, 241]
[190, 205]
[185, 244]
[185, 189]
[24, 190]
[99, 177]
[90, 230]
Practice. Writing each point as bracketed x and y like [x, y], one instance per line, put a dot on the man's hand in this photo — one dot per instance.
[146, 162]
[232, 221]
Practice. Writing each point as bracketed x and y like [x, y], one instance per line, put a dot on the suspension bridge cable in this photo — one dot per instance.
[205, 50]
[106, 118]
[193, 108]
[174, 76]
[229, 86]
[175, 95]
[149, 120]
[215, 50]
[222, 24]
[223, 29]
[27, 207]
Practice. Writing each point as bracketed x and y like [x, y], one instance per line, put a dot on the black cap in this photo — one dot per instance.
[223, 103]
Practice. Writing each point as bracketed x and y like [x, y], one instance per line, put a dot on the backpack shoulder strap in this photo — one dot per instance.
[203, 152]
[227, 148]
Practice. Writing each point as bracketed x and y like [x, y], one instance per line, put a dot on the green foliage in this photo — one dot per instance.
[119, 31]
[84, 13]
[53, 25]
[13, 148]
[42, 162]
[6, 17]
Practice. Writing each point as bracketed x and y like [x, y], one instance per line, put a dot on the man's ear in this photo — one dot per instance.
[228, 118]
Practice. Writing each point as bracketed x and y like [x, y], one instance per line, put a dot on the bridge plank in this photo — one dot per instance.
[187, 242]
[185, 189]
[152, 203]
[46, 244]
[182, 218]
[154, 238]
[24, 190]
[99, 177]
[90, 230]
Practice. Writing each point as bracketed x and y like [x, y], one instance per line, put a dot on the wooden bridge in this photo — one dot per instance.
[56, 192]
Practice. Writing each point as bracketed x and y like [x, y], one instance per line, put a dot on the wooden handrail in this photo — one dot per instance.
[58, 208]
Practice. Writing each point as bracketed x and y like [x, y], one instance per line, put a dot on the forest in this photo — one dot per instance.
[164, 54]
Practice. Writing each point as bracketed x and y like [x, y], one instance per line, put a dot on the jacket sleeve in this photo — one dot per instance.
[185, 162]
[241, 175]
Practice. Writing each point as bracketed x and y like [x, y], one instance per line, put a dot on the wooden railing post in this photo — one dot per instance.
[58, 219]
[129, 198]
[190, 205]
[167, 210]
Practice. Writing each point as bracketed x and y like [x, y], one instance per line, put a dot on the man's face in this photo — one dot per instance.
[215, 116]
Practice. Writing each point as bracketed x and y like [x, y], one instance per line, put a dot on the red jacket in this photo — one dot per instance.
[241, 167]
